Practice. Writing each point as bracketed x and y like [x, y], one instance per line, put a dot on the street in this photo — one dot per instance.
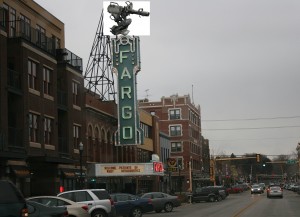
[241, 205]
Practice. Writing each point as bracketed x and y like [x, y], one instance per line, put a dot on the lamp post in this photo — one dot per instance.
[190, 174]
[298, 150]
[80, 162]
[180, 183]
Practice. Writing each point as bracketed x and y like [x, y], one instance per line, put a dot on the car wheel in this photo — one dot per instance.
[211, 199]
[136, 212]
[219, 198]
[98, 213]
[158, 210]
[168, 207]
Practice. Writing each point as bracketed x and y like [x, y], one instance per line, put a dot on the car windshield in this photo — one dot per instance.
[255, 186]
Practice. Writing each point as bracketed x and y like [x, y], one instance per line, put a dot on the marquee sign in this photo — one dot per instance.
[126, 64]
[126, 169]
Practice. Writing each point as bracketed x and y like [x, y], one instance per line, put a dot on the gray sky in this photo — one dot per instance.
[238, 59]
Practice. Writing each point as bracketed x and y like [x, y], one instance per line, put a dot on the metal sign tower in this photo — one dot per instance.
[98, 74]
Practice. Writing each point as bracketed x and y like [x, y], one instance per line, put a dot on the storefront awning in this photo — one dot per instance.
[20, 171]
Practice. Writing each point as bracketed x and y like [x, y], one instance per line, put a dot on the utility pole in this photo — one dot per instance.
[298, 150]
[190, 174]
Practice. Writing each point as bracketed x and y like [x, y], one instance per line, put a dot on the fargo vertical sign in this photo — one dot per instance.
[126, 64]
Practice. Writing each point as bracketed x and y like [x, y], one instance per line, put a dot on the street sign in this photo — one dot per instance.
[290, 161]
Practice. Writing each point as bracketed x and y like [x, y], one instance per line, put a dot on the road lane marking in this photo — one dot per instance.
[245, 208]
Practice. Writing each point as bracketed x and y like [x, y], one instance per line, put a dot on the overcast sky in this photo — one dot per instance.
[237, 59]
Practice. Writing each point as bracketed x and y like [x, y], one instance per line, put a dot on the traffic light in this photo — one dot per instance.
[257, 158]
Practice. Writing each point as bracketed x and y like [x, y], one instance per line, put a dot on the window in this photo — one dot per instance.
[12, 19]
[174, 114]
[25, 26]
[40, 36]
[147, 130]
[32, 78]
[33, 127]
[176, 147]
[47, 81]
[194, 117]
[179, 163]
[48, 131]
[81, 196]
[75, 88]
[102, 195]
[158, 195]
[4, 16]
[76, 135]
[175, 130]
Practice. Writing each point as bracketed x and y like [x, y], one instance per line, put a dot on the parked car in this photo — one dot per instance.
[263, 185]
[74, 209]
[295, 187]
[162, 201]
[222, 191]
[206, 194]
[12, 202]
[235, 189]
[98, 200]
[131, 205]
[275, 191]
[257, 189]
[40, 210]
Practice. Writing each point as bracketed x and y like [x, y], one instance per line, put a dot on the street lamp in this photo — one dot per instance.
[180, 182]
[298, 150]
[80, 162]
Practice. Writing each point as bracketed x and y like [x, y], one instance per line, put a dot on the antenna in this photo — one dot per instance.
[192, 93]
[147, 93]
[98, 74]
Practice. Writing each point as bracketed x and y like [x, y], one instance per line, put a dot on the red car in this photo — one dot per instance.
[235, 189]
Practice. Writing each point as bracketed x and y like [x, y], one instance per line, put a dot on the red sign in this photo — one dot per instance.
[158, 167]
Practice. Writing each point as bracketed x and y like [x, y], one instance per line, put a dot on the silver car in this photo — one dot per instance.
[257, 189]
[98, 200]
[275, 191]
[74, 209]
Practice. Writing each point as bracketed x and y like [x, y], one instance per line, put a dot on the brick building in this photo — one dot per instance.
[42, 121]
[181, 120]
[46, 113]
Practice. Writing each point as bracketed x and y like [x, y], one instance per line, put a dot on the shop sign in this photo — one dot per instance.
[172, 165]
[122, 169]
[126, 169]
[126, 64]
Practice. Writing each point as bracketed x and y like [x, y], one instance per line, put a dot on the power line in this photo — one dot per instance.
[250, 128]
[215, 140]
[251, 119]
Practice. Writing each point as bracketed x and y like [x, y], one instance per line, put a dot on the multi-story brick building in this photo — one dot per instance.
[47, 114]
[181, 120]
[42, 121]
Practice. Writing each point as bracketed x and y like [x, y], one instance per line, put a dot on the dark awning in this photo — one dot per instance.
[20, 171]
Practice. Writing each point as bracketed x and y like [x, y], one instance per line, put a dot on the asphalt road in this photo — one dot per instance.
[240, 205]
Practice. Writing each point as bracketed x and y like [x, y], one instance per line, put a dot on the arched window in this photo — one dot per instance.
[90, 151]
[97, 145]
[109, 147]
[103, 147]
